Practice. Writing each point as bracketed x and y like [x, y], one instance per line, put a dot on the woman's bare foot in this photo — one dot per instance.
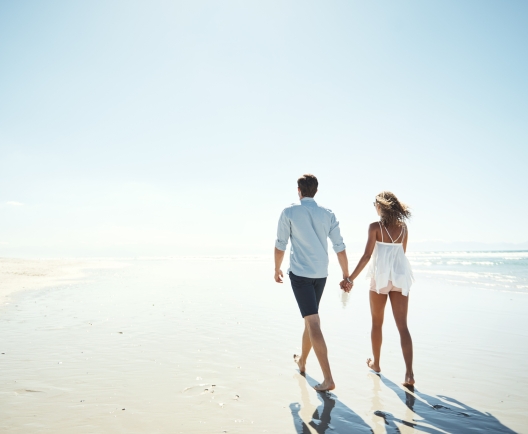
[300, 363]
[324, 386]
[409, 380]
[373, 366]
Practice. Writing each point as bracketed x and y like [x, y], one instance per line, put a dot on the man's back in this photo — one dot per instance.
[309, 225]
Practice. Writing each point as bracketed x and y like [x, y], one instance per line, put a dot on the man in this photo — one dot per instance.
[309, 225]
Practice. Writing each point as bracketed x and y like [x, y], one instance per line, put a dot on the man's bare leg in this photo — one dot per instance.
[313, 324]
[306, 348]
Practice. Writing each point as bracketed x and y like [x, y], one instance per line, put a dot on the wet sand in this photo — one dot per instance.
[25, 274]
[205, 345]
[19, 274]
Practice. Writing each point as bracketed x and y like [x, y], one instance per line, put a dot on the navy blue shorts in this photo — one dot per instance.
[308, 293]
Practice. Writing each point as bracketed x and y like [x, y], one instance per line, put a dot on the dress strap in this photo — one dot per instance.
[387, 233]
[381, 230]
[401, 233]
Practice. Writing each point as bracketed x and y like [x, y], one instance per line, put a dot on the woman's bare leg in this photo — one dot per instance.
[377, 310]
[400, 304]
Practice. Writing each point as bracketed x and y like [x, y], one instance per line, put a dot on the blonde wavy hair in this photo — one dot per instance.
[393, 212]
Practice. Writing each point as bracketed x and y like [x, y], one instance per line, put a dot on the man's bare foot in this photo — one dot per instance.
[409, 380]
[374, 367]
[300, 363]
[324, 386]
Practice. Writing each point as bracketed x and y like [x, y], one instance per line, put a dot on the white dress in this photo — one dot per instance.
[389, 262]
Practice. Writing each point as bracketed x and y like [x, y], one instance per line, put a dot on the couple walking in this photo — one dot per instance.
[308, 225]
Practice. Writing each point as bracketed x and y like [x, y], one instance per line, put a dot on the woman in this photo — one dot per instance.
[390, 276]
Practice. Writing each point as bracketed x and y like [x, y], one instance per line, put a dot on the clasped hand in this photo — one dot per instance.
[345, 285]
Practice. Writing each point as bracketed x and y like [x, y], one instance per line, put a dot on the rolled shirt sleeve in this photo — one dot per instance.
[283, 232]
[335, 236]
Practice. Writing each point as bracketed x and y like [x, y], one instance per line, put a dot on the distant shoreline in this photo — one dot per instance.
[352, 248]
[20, 274]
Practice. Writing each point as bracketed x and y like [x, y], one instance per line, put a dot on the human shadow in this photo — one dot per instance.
[434, 414]
[331, 415]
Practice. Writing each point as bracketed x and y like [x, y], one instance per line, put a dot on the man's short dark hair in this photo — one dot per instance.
[308, 185]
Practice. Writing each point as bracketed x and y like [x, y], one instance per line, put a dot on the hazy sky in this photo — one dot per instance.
[165, 127]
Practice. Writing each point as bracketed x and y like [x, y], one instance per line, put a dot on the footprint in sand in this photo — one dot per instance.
[199, 389]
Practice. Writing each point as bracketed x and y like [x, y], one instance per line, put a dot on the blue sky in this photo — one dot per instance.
[159, 128]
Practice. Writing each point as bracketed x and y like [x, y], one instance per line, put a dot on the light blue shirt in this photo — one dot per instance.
[308, 225]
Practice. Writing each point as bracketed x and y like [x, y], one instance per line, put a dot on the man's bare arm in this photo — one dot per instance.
[279, 256]
[343, 263]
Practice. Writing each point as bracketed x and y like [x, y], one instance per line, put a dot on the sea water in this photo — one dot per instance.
[493, 270]
[503, 271]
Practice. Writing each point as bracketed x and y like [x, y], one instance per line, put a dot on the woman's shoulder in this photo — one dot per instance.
[374, 226]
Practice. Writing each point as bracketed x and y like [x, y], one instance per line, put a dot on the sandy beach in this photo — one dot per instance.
[205, 345]
[25, 274]
[20, 274]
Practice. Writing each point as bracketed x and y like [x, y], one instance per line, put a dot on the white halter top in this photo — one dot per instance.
[389, 262]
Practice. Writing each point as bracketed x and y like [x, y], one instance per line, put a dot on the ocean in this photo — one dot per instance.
[501, 271]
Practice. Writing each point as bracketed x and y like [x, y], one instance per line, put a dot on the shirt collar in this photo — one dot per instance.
[307, 199]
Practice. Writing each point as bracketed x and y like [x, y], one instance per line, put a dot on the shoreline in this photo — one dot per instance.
[33, 274]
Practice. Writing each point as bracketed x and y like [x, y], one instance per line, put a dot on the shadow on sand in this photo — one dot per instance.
[425, 413]
[436, 414]
[331, 415]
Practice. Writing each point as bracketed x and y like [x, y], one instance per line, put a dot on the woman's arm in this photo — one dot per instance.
[369, 248]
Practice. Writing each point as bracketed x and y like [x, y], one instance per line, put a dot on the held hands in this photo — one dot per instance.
[345, 285]
[278, 276]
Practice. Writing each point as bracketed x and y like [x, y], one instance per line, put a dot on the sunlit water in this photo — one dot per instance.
[488, 270]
